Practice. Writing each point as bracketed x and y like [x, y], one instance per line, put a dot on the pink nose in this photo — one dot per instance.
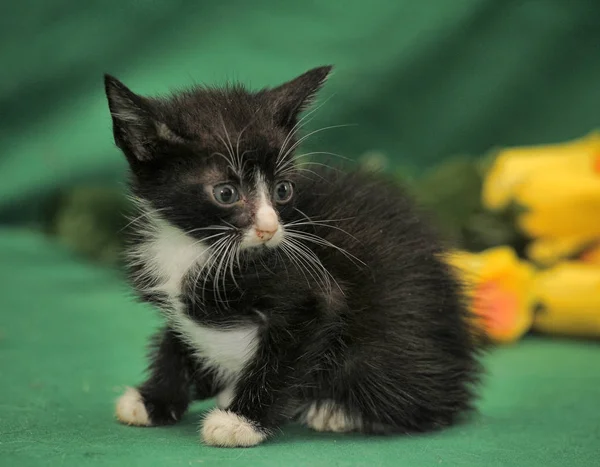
[266, 223]
[265, 235]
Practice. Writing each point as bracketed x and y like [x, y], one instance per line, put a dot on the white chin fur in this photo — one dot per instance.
[225, 429]
[251, 240]
[277, 238]
[130, 409]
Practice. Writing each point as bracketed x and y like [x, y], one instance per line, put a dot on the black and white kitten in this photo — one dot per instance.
[289, 293]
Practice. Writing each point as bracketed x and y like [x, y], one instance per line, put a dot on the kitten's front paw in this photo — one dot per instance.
[131, 409]
[226, 429]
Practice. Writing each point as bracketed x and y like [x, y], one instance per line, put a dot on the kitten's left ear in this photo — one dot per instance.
[296, 95]
[136, 128]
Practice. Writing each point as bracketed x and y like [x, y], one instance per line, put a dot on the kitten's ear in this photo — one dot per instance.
[296, 95]
[135, 126]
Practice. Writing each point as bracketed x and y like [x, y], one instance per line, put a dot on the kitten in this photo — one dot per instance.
[289, 293]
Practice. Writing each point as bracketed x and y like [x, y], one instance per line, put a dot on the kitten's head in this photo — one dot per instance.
[216, 161]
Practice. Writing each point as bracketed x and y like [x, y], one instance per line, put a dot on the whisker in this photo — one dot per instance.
[292, 162]
[237, 144]
[305, 137]
[230, 163]
[311, 261]
[290, 254]
[146, 213]
[326, 286]
[319, 164]
[216, 287]
[321, 241]
[133, 255]
[306, 154]
[321, 223]
[318, 262]
[228, 224]
[318, 224]
[212, 227]
[230, 147]
[317, 220]
[194, 283]
[237, 258]
[210, 237]
[299, 125]
[296, 169]
[217, 262]
[208, 264]
[280, 258]
[234, 254]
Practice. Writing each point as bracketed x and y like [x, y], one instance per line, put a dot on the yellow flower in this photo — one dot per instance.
[548, 251]
[515, 166]
[498, 287]
[559, 204]
[569, 295]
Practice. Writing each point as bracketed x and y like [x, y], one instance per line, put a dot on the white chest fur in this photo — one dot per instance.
[228, 351]
[167, 256]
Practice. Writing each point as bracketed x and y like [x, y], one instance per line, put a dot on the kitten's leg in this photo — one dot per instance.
[330, 416]
[164, 397]
[261, 402]
[225, 397]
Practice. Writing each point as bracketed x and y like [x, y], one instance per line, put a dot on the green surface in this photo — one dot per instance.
[422, 80]
[67, 349]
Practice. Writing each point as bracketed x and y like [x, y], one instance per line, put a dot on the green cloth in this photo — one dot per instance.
[422, 81]
[67, 350]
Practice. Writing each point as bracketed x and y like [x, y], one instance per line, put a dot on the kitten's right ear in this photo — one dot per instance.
[296, 95]
[134, 126]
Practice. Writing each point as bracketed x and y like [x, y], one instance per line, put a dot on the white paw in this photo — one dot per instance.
[226, 429]
[131, 409]
[326, 416]
[225, 397]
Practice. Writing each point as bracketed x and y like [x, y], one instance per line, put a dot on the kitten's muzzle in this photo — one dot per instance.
[265, 235]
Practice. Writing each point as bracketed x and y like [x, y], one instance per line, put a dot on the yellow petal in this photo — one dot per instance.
[513, 166]
[570, 299]
[550, 250]
[559, 205]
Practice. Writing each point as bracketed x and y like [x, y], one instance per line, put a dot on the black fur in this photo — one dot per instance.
[387, 338]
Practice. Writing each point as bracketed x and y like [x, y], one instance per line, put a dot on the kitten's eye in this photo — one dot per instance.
[283, 192]
[226, 193]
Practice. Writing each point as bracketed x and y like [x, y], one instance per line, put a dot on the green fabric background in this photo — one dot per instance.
[422, 80]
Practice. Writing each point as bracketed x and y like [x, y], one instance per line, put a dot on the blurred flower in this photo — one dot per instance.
[559, 203]
[569, 299]
[515, 167]
[499, 289]
[549, 251]
[591, 255]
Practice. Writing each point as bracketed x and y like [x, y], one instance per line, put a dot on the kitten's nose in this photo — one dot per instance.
[266, 223]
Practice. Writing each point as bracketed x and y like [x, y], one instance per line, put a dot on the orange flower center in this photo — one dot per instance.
[496, 307]
[591, 255]
[596, 164]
